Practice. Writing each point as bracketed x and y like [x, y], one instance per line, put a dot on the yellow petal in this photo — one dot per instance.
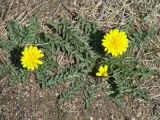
[106, 67]
[105, 74]
[101, 69]
[105, 49]
[32, 68]
[41, 55]
[98, 74]
[39, 62]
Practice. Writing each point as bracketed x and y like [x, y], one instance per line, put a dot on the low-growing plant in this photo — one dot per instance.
[81, 41]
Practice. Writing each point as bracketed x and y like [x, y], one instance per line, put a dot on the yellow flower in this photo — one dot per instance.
[102, 71]
[115, 42]
[30, 58]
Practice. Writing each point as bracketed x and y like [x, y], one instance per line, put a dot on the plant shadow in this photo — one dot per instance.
[114, 87]
[96, 41]
[15, 57]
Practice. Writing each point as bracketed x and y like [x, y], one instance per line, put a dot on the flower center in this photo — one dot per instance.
[32, 57]
[115, 42]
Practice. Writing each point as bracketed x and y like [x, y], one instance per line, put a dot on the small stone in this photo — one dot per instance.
[90, 118]
[139, 114]
[56, 94]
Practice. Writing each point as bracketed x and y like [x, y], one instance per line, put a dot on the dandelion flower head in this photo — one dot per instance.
[31, 57]
[115, 42]
[102, 71]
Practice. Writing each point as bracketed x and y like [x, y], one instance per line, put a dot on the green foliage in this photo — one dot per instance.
[75, 88]
[90, 91]
[3, 71]
[22, 35]
[75, 43]
[127, 71]
[81, 42]
[19, 36]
